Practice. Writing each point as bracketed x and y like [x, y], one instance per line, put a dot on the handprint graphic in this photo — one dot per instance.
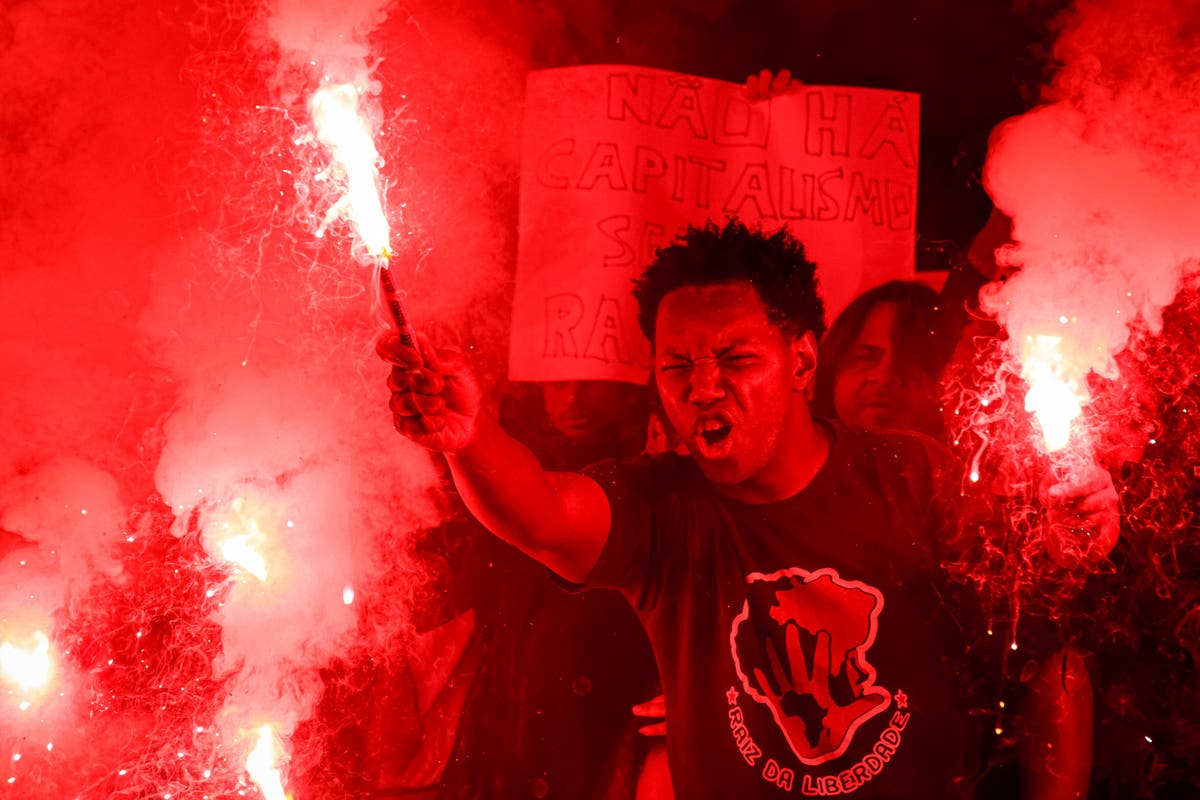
[800, 647]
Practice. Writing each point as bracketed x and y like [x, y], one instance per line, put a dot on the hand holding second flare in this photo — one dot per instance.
[435, 398]
[1082, 516]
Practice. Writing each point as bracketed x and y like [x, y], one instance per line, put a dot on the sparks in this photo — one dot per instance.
[263, 764]
[242, 548]
[342, 128]
[238, 550]
[28, 668]
[1053, 398]
[347, 134]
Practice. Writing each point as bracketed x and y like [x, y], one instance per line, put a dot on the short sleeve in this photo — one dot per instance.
[632, 558]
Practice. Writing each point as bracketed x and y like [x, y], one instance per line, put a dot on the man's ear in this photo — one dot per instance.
[804, 350]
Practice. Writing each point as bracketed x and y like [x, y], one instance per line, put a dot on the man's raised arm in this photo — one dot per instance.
[560, 518]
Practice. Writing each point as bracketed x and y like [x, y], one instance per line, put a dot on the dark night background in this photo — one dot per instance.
[973, 63]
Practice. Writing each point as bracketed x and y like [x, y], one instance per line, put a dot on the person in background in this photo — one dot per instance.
[561, 670]
[882, 359]
[577, 422]
[885, 356]
[883, 365]
[515, 689]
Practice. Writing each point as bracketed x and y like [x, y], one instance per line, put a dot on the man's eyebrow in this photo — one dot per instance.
[734, 344]
[675, 354]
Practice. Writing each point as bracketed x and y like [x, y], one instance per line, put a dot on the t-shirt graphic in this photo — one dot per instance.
[800, 647]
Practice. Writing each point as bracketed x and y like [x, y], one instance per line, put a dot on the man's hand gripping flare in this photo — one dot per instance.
[435, 398]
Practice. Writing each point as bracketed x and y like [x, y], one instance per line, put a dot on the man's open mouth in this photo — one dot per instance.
[713, 431]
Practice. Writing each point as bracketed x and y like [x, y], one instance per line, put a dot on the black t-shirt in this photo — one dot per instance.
[803, 647]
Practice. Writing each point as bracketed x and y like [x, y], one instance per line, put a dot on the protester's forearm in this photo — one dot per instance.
[505, 487]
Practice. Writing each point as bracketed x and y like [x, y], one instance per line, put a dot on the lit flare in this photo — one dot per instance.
[347, 134]
[28, 668]
[1054, 397]
[263, 764]
[243, 548]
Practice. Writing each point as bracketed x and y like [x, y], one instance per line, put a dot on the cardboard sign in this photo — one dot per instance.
[617, 160]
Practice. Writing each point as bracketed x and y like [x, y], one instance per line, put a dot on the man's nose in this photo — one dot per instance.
[706, 384]
[887, 371]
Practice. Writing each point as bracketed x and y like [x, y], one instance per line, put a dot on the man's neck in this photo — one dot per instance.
[798, 456]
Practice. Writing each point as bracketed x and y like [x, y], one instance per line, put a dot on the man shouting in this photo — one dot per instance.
[786, 569]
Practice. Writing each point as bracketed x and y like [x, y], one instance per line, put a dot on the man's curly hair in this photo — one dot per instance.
[774, 264]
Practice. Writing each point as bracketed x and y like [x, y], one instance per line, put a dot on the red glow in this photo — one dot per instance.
[242, 536]
[25, 663]
[171, 322]
[1053, 396]
[263, 764]
[341, 127]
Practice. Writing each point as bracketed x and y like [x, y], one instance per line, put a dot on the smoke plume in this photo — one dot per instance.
[1101, 181]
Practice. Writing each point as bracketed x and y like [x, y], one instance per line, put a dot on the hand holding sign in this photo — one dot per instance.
[763, 85]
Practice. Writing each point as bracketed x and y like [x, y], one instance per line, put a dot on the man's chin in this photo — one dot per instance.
[880, 419]
[574, 431]
[721, 471]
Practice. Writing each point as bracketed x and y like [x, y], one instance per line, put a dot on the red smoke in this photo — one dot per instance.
[1102, 182]
[175, 337]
